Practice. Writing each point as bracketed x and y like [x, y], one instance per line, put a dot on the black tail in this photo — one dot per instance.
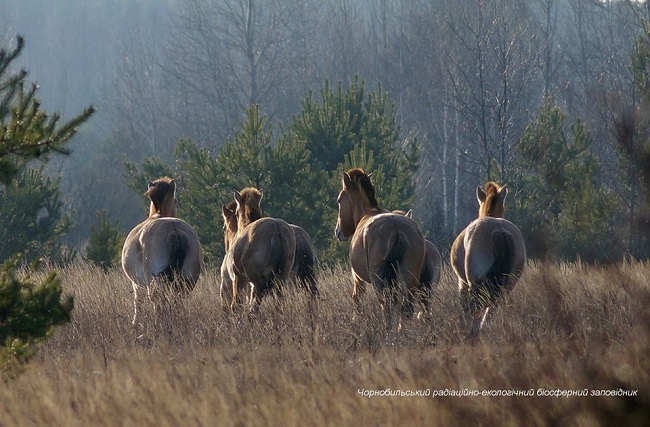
[279, 247]
[494, 280]
[177, 253]
[306, 272]
[387, 272]
[279, 252]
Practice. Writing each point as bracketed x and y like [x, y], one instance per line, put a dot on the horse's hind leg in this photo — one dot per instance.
[137, 303]
[258, 292]
[480, 299]
[238, 293]
[255, 299]
[359, 290]
[466, 302]
[478, 321]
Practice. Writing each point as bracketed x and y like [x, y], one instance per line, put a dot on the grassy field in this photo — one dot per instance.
[565, 329]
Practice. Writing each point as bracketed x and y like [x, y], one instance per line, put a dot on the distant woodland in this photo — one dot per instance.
[549, 97]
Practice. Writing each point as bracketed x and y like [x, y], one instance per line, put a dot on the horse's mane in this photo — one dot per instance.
[159, 190]
[363, 183]
[251, 197]
[492, 199]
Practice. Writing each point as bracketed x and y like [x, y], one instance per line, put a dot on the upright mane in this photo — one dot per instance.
[492, 203]
[159, 192]
[362, 182]
[248, 208]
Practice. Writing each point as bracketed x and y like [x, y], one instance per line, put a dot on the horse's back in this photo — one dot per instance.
[494, 247]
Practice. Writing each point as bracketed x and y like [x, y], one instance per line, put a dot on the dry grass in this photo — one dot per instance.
[566, 327]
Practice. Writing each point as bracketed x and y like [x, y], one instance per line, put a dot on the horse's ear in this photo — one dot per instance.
[225, 211]
[409, 214]
[480, 195]
[150, 184]
[238, 198]
[504, 193]
[347, 180]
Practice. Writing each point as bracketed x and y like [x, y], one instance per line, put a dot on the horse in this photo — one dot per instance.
[304, 266]
[387, 249]
[430, 274]
[262, 251]
[161, 254]
[488, 257]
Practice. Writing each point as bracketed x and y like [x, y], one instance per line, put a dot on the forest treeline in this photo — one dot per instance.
[549, 97]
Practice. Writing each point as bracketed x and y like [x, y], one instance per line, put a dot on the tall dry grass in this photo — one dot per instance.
[564, 327]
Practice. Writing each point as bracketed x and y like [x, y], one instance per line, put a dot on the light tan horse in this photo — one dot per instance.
[304, 265]
[488, 257]
[386, 250]
[161, 254]
[262, 252]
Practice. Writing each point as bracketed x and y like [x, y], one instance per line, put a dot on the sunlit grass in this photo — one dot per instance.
[564, 327]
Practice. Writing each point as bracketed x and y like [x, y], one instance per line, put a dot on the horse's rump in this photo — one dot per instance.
[394, 249]
[495, 254]
[264, 251]
[172, 252]
[177, 253]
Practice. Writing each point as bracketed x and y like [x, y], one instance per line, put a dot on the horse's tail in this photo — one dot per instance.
[499, 273]
[283, 252]
[178, 249]
[304, 270]
[388, 271]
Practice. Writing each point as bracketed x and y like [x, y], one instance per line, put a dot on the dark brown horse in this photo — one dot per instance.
[386, 250]
[162, 251]
[488, 257]
[261, 253]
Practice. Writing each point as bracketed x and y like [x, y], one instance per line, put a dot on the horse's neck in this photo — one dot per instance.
[372, 211]
[242, 223]
[228, 238]
[482, 214]
[168, 209]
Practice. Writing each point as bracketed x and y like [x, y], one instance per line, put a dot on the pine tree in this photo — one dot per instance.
[32, 216]
[340, 131]
[563, 210]
[27, 132]
[248, 159]
[632, 129]
[28, 310]
[105, 243]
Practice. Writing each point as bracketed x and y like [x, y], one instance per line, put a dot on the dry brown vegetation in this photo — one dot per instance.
[564, 327]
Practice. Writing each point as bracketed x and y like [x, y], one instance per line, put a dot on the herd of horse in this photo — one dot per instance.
[163, 254]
